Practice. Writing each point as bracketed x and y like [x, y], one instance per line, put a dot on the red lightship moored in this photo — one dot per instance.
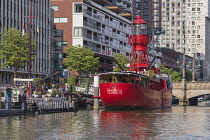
[141, 87]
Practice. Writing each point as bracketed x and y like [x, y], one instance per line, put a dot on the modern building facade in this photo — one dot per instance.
[58, 55]
[102, 25]
[37, 16]
[186, 24]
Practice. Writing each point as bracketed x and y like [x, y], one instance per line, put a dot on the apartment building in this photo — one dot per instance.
[186, 24]
[102, 25]
[38, 16]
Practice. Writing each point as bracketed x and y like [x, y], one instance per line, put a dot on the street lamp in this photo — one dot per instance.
[193, 67]
[183, 67]
[190, 66]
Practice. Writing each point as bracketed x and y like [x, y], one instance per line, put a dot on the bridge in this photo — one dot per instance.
[185, 90]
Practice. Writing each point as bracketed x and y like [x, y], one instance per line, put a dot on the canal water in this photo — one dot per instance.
[176, 123]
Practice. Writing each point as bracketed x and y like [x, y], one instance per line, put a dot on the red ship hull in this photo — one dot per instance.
[131, 96]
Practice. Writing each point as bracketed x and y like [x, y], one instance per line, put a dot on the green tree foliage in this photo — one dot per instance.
[174, 74]
[81, 59]
[122, 60]
[39, 84]
[188, 75]
[14, 49]
[71, 80]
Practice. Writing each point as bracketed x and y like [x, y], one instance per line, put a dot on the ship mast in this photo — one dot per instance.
[138, 41]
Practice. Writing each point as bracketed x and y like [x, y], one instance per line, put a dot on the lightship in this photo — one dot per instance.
[142, 87]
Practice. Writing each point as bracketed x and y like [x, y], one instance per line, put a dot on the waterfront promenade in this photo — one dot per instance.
[39, 105]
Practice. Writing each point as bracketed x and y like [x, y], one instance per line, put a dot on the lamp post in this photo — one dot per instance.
[183, 67]
[194, 68]
[184, 79]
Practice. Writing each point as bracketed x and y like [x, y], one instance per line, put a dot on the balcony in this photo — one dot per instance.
[127, 2]
[87, 35]
[129, 9]
[87, 12]
[115, 9]
[97, 38]
[96, 16]
[102, 2]
[120, 4]
[126, 15]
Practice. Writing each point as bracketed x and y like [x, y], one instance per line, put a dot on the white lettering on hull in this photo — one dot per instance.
[114, 91]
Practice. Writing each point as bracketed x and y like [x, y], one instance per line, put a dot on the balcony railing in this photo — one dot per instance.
[120, 4]
[127, 2]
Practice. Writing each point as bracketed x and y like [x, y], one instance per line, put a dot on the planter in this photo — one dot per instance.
[35, 96]
[43, 96]
[48, 95]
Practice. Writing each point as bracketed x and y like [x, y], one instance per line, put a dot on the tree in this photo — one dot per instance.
[82, 60]
[122, 60]
[174, 74]
[188, 75]
[71, 80]
[14, 49]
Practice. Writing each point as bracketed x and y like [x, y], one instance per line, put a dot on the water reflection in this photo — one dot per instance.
[174, 123]
[137, 124]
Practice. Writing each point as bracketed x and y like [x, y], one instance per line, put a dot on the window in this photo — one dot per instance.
[193, 45]
[64, 43]
[77, 31]
[55, 7]
[61, 20]
[59, 44]
[77, 8]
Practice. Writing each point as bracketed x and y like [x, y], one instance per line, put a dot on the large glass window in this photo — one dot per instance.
[77, 31]
[77, 8]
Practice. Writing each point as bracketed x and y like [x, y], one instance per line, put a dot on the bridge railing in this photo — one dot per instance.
[192, 85]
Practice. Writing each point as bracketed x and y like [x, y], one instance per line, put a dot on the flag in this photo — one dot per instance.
[23, 29]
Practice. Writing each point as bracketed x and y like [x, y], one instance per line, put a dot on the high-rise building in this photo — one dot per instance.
[37, 17]
[187, 27]
[102, 25]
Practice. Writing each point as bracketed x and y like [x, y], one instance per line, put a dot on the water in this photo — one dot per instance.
[177, 123]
